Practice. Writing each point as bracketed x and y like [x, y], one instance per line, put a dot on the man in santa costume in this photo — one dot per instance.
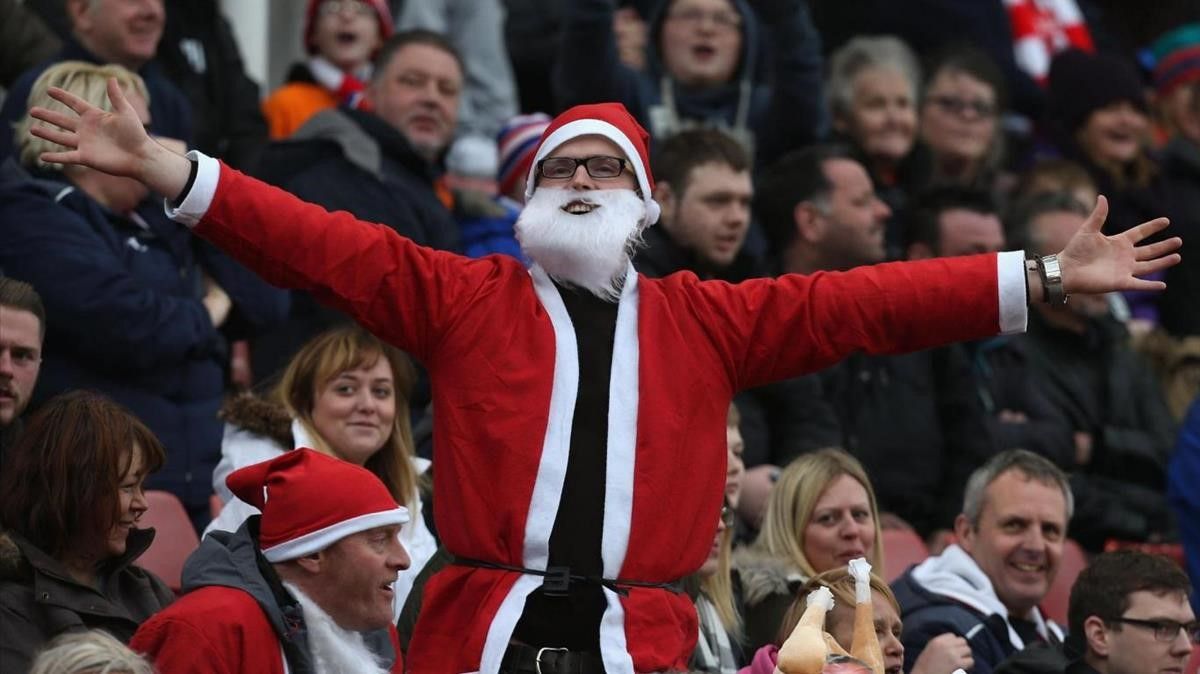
[305, 587]
[580, 408]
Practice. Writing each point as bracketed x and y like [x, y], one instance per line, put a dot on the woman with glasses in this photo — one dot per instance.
[70, 500]
[344, 394]
[821, 514]
[960, 119]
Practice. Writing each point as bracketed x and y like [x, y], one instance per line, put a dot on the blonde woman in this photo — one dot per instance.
[345, 393]
[821, 514]
[93, 652]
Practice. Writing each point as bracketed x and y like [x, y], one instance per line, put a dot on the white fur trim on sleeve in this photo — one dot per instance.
[1014, 307]
[195, 204]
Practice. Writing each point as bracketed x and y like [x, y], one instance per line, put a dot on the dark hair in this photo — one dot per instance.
[405, 38]
[964, 58]
[61, 479]
[1022, 214]
[680, 154]
[19, 295]
[1070, 176]
[796, 177]
[1103, 588]
[924, 225]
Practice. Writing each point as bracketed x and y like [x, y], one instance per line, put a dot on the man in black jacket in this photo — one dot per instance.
[949, 221]
[22, 327]
[382, 166]
[911, 419]
[1122, 432]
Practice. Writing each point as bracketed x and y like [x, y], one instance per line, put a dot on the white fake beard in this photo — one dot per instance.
[590, 250]
[331, 648]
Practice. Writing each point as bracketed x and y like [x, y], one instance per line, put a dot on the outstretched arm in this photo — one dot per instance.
[366, 270]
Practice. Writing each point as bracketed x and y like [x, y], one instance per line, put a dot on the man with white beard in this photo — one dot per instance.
[579, 441]
[304, 587]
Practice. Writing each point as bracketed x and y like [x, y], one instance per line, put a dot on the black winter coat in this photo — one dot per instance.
[40, 600]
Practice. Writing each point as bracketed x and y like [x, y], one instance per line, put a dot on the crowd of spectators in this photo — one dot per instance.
[788, 136]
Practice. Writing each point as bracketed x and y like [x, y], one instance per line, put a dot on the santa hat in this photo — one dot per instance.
[381, 12]
[611, 121]
[516, 142]
[310, 501]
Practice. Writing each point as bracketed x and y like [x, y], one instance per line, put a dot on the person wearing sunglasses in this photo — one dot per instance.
[1129, 614]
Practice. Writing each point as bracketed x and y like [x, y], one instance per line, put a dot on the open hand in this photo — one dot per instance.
[1095, 263]
[112, 142]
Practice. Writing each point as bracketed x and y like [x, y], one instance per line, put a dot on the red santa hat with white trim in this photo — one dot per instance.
[309, 501]
[611, 121]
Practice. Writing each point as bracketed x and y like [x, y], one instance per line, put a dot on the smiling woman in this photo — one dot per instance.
[344, 394]
[70, 499]
[820, 515]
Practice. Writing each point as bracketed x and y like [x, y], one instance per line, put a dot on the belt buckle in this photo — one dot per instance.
[537, 659]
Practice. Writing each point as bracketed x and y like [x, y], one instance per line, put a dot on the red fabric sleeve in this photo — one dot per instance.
[177, 647]
[402, 292]
[771, 329]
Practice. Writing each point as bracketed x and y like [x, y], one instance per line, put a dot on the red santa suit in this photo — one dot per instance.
[237, 618]
[502, 356]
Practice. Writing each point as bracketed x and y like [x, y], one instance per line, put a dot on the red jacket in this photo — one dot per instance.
[500, 351]
[217, 630]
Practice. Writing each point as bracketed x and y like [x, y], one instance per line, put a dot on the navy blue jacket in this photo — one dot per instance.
[783, 111]
[124, 313]
[927, 615]
[170, 112]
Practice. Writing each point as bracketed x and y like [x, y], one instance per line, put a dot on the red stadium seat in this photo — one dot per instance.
[901, 549]
[1193, 664]
[1054, 605]
[174, 537]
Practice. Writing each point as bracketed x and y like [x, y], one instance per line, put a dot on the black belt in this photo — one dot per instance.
[522, 659]
[559, 578]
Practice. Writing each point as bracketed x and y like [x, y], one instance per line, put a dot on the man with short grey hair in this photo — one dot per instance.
[986, 587]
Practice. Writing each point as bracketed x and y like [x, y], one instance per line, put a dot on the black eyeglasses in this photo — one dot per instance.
[1165, 630]
[960, 106]
[563, 168]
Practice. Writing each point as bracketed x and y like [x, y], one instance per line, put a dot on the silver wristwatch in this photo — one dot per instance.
[1052, 285]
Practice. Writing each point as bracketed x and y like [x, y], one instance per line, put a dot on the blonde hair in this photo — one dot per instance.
[92, 652]
[841, 584]
[348, 348]
[790, 506]
[719, 587]
[88, 81]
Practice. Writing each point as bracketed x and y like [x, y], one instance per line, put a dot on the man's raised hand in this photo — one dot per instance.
[112, 142]
[1095, 263]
